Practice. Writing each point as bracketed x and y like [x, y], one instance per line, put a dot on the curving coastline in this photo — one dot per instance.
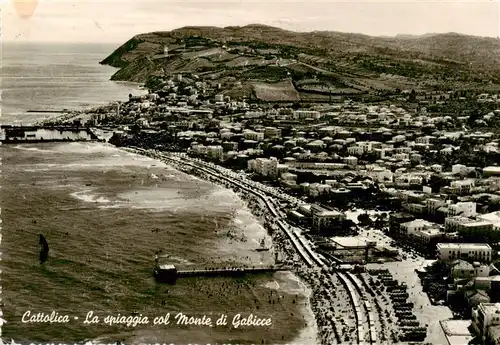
[119, 186]
[306, 285]
[340, 316]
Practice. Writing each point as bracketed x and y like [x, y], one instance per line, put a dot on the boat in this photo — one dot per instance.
[262, 247]
[44, 250]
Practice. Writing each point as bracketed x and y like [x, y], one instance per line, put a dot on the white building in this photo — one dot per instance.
[351, 161]
[272, 132]
[456, 222]
[427, 235]
[402, 156]
[492, 217]
[403, 149]
[481, 270]
[264, 166]
[491, 170]
[462, 186]
[355, 150]
[416, 157]
[366, 145]
[306, 114]
[459, 169]
[380, 174]
[427, 190]
[433, 204]
[466, 251]
[323, 219]
[251, 135]
[417, 225]
[226, 135]
[484, 316]
[424, 140]
[200, 149]
[465, 209]
[398, 138]
[289, 177]
[437, 168]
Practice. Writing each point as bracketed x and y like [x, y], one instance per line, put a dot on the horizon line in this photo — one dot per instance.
[398, 35]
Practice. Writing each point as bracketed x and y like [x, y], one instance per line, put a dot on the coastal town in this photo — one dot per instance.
[346, 188]
[385, 202]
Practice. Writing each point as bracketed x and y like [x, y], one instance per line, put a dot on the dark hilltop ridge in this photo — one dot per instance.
[320, 61]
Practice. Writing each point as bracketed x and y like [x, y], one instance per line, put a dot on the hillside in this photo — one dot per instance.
[323, 62]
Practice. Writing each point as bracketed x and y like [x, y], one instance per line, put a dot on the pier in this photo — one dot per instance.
[170, 272]
[10, 134]
[38, 127]
[48, 111]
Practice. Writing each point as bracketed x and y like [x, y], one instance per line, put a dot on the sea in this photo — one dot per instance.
[56, 76]
[105, 212]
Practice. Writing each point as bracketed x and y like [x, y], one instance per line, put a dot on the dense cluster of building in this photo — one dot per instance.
[432, 172]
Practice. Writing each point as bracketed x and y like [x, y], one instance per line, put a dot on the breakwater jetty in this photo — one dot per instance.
[169, 273]
[48, 111]
[12, 134]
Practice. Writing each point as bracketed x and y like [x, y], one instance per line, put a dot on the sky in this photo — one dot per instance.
[113, 21]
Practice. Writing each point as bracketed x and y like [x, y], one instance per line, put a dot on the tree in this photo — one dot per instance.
[364, 219]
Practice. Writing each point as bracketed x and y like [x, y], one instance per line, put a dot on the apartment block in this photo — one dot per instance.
[465, 251]
[264, 166]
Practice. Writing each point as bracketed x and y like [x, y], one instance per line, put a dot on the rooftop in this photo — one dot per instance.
[461, 265]
[350, 241]
[477, 223]
[490, 308]
[491, 169]
[167, 267]
[432, 232]
[418, 222]
[493, 217]
[463, 245]
[328, 213]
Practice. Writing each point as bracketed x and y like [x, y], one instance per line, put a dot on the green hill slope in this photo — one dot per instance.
[258, 53]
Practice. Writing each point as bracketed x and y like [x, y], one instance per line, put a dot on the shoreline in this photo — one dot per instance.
[286, 325]
[309, 334]
[316, 309]
[312, 310]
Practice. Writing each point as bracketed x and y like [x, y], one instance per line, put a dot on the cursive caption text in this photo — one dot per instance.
[180, 319]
